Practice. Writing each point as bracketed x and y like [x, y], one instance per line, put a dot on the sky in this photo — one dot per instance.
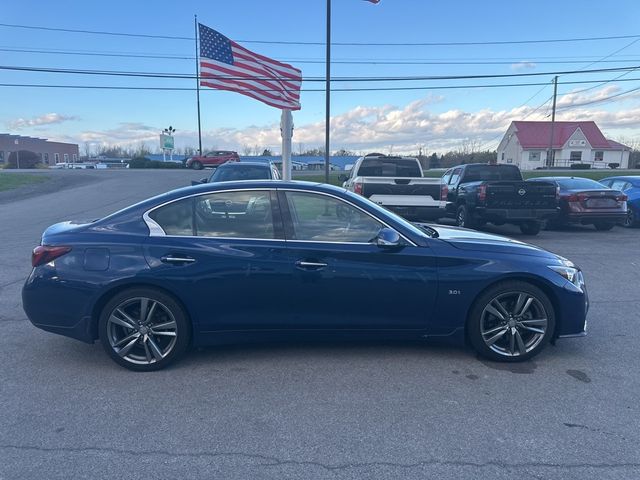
[429, 119]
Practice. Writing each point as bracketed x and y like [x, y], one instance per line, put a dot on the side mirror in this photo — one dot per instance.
[342, 177]
[387, 238]
[199, 182]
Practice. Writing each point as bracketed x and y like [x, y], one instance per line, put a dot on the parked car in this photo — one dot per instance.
[586, 202]
[630, 186]
[212, 159]
[478, 193]
[396, 183]
[271, 260]
[241, 171]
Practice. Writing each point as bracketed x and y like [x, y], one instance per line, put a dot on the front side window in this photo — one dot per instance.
[239, 214]
[320, 218]
[455, 176]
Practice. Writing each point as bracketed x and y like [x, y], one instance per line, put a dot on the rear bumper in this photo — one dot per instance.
[589, 218]
[509, 215]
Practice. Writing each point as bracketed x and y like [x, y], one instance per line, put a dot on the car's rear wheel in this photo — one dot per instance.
[144, 329]
[511, 322]
[196, 165]
[603, 226]
[464, 218]
[630, 220]
[531, 227]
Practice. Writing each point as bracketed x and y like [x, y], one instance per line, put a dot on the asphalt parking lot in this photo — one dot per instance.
[315, 411]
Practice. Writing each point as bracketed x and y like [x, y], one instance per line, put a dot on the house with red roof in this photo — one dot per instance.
[526, 144]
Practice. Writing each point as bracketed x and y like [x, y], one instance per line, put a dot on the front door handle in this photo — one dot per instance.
[176, 260]
[310, 265]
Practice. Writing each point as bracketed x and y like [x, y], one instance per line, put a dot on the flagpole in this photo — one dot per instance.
[327, 117]
[195, 21]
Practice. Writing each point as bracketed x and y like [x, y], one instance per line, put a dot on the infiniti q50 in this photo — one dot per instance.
[265, 260]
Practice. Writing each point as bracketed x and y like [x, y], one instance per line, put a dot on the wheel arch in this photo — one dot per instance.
[107, 295]
[533, 280]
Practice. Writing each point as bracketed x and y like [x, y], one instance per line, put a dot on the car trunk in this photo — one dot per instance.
[595, 200]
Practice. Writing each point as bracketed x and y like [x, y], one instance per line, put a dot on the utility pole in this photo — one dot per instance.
[195, 22]
[550, 158]
[327, 114]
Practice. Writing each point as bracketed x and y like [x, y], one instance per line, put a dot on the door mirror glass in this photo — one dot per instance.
[343, 177]
[387, 238]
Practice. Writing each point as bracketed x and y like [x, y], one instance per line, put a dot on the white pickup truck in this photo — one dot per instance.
[397, 183]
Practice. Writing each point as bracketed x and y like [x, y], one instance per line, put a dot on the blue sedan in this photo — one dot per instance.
[630, 186]
[266, 260]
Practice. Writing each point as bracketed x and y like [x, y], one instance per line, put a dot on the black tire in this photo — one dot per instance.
[603, 226]
[169, 311]
[630, 220]
[196, 165]
[464, 218]
[478, 315]
[530, 228]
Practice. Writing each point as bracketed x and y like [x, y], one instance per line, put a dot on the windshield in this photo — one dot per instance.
[477, 173]
[389, 167]
[241, 172]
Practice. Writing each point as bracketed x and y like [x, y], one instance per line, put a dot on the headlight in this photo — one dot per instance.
[574, 275]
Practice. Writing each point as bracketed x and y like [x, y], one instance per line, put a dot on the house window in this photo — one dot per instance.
[503, 156]
[576, 156]
[1, 156]
[66, 157]
[46, 158]
[599, 156]
[75, 157]
[534, 156]
[56, 156]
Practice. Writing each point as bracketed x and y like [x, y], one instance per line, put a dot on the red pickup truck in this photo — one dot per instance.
[212, 159]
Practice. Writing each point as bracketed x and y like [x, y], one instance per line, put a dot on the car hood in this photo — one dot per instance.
[466, 239]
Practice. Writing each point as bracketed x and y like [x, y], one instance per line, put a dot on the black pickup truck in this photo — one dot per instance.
[480, 193]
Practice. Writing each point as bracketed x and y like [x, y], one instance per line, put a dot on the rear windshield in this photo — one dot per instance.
[389, 167]
[477, 173]
[579, 184]
[241, 172]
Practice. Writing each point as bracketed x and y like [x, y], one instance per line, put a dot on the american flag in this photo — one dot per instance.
[226, 65]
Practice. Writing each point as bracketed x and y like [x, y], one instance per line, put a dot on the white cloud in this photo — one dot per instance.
[523, 65]
[46, 119]
[403, 129]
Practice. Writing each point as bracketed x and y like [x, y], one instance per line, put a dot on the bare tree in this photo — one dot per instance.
[246, 150]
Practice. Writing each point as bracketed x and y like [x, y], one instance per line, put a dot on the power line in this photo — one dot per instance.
[600, 100]
[357, 89]
[118, 73]
[283, 42]
[310, 61]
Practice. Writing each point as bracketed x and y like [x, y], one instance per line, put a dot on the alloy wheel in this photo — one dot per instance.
[142, 331]
[514, 323]
[629, 219]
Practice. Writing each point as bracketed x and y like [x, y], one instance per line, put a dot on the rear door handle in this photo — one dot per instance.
[176, 260]
[309, 265]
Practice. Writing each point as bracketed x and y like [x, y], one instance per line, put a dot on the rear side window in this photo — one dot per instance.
[240, 214]
[446, 177]
[389, 167]
[455, 176]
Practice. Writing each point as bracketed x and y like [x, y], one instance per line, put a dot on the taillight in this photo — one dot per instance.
[44, 254]
[622, 198]
[444, 191]
[357, 187]
[482, 193]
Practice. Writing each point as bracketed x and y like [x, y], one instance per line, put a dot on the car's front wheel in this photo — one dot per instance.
[511, 322]
[196, 165]
[144, 329]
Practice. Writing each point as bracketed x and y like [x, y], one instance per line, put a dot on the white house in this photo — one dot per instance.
[526, 144]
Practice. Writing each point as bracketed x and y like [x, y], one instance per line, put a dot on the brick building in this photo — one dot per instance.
[49, 152]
